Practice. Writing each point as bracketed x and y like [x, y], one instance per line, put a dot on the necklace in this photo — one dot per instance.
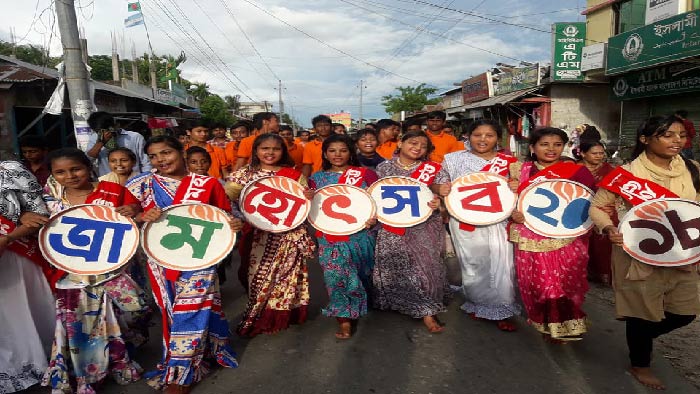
[406, 166]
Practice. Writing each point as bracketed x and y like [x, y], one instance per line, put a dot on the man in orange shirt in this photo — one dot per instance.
[443, 142]
[296, 151]
[313, 157]
[388, 132]
[239, 131]
[199, 134]
[263, 122]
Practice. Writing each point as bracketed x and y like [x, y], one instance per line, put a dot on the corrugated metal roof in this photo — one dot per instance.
[18, 74]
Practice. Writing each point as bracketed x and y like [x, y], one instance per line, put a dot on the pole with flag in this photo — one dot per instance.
[135, 19]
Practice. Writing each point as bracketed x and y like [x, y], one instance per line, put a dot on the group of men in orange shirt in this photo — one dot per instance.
[229, 154]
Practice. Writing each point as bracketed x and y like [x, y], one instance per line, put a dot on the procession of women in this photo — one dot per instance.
[91, 263]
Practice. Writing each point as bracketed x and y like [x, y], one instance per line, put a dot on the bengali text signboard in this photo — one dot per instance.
[664, 80]
[518, 79]
[477, 88]
[567, 41]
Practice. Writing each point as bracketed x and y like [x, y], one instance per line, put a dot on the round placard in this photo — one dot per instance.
[556, 208]
[401, 201]
[275, 204]
[89, 240]
[188, 237]
[664, 233]
[480, 198]
[341, 209]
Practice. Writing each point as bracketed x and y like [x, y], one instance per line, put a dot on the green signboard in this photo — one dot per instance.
[659, 81]
[664, 41]
[518, 78]
[568, 40]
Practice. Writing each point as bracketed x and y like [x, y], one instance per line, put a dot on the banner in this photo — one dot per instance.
[518, 79]
[660, 81]
[477, 88]
[568, 40]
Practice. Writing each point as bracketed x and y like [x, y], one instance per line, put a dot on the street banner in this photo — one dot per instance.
[477, 88]
[275, 204]
[664, 233]
[480, 198]
[518, 79]
[401, 201]
[556, 208]
[568, 40]
[89, 240]
[341, 209]
[188, 237]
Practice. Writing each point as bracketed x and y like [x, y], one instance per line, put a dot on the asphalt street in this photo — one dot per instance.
[392, 353]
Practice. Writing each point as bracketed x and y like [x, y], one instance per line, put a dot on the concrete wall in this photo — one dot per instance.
[574, 104]
[600, 24]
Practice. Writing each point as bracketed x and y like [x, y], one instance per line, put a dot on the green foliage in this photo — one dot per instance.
[411, 98]
[31, 54]
[101, 67]
[200, 91]
[215, 110]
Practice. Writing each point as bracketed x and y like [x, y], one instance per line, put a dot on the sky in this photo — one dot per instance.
[319, 49]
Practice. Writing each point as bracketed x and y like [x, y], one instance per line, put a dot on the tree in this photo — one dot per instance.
[30, 53]
[214, 110]
[101, 67]
[411, 98]
[233, 102]
[200, 91]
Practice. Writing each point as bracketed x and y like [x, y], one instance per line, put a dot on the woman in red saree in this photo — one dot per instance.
[551, 272]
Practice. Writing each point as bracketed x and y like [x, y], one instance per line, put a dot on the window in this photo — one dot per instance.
[630, 15]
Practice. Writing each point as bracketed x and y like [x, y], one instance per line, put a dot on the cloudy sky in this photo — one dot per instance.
[320, 49]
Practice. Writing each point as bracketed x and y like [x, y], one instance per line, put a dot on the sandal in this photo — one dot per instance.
[507, 326]
[345, 331]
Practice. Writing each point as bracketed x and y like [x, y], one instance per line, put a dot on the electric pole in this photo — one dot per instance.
[279, 90]
[359, 122]
[75, 71]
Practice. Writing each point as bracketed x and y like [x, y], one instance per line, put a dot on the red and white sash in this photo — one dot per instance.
[561, 170]
[194, 188]
[500, 164]
[426, 172]
[353, 176]
[633, 189]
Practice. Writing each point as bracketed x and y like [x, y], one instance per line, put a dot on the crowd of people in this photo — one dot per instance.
[507, 270]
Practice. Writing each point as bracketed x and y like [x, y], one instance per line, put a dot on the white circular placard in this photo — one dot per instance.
[480, 198]
[189, 237]
[89, 240]
[556, 208]
[341, 209]
[664, 233]
[275, 204]
[401, 201]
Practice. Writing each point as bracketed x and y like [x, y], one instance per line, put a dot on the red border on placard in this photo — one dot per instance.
[406, 181]
[460, 180]
[245, 190]
[372, 213]
[52, 261]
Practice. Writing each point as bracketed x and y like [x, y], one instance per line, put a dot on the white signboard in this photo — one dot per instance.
[662, 9]
[593, 57]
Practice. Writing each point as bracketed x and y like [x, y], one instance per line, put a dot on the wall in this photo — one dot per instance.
[574, 104]
[600, 25]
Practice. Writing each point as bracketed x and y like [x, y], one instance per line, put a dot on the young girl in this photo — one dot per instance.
[121, 162]
[198, 160]
[409, 275]
[92, 306]
[192, 336]
[551, 272]
[599, 248]
[485, 255]
[27, 313]
[346, 262]
[277, 275]
[367, 149]
[652, 300]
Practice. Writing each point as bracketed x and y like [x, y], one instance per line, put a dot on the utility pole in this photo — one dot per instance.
[359, 122]
[75, 71]
[134, 64]
[279, 90]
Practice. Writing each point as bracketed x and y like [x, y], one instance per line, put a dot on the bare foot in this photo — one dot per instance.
[344, 331]
[432, 324]
[647, 378]
[506, 325]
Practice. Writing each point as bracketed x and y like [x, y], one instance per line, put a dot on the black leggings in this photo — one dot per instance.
[641, 334]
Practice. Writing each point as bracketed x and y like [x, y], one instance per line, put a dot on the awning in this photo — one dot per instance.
[500, 99]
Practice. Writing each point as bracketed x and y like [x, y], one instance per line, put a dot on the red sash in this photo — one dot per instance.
[111, 194]
[634, 190]
[561, 170]
[29, 248]
[425, 173]
[289, 172]
[353, 176]
[500, 164]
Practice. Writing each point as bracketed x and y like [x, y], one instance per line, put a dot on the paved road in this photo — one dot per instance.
[392, 353]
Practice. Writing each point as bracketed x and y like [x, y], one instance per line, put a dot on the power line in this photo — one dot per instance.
[329, 45]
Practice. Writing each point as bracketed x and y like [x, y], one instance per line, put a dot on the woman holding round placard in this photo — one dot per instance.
[346, 260]
[27, 312]
[593, 157]
[409, 275]
[551, 272]
[486, 256]
[652, 300]
[277, 276]
[92, 306]
[194, 326]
